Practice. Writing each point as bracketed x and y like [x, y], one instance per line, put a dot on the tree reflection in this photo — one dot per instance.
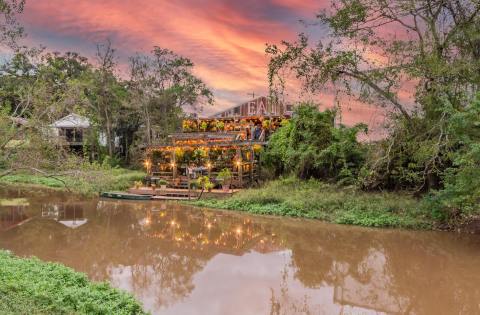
[388, 271]
[155, 250]
[282, 303]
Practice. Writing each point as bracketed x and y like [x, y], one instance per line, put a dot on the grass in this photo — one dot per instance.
[88, 183]
[30, 286]
[317, 200]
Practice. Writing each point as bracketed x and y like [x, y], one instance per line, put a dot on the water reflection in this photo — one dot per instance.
[13, 212]
[70, 215]
[179, 260]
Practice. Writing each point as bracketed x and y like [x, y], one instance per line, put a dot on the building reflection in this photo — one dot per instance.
[70, 215]
[12, 213]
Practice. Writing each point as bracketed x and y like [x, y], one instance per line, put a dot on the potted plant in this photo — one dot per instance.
[209, 186]
[266, 124]
[225, 177]
[187, 125]
[194, 185]
[163, 184]
[220, 125]
[257, 148]
[199, 154]
[179, 153]
[204, 126]
[205, 183]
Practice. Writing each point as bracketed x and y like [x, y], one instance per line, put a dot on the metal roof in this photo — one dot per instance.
[72, 121]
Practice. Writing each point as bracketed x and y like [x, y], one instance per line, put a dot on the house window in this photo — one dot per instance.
[72, 134]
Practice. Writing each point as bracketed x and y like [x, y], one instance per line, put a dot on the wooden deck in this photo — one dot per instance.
[180, 194]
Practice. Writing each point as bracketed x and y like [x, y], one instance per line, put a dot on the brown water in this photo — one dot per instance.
[179, 260]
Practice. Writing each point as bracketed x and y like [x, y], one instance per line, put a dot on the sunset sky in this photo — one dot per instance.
[225, 39]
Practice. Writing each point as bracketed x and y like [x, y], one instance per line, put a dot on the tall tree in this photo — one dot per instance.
[435, 47]
[10, 29]
[163, 84]
[106, 92]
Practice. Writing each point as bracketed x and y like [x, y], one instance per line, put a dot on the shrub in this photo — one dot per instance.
[318, 200]
[29, 286]
[162, 182]
[224, 175]
[309, 145]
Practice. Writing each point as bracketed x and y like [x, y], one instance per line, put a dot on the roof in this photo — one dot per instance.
[72, 121]
[73, 224]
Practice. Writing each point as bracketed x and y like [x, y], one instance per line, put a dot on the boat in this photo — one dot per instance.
[124, 195]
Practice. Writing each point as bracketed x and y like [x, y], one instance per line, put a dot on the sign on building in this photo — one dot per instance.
[261, 106]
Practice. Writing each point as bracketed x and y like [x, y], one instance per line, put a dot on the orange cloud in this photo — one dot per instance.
[225, 39]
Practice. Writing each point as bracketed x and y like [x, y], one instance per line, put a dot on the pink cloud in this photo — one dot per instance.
[226, 40]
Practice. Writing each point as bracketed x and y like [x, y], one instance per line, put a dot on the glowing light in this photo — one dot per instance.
[238, 231]
[209, 226]
[172, 164]
[147, 163]
[209, 165]
[238, 163]
[172, 222]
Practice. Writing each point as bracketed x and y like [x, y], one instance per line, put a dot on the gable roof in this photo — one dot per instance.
[72, 121]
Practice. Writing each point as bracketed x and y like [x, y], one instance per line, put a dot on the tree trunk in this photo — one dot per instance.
[109, 134]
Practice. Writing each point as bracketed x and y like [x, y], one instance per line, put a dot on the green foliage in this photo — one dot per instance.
[431, 146]
[204, 182]
[162, 84]
[309, 145]
[90, 179]
[460, 196]
[162, 182]
[220, 125]
[29, 286]
[224, 175]
[318, 200]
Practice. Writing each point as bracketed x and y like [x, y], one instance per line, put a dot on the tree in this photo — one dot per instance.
[10, 29]
[309, 145]
[461, 192]
[162, 85]
[436, 48]
[106, 93]
[35, 89]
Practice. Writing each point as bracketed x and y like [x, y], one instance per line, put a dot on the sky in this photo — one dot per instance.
[226, 40]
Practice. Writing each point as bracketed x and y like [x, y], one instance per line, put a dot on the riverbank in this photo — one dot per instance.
[317, 200]
[88, 182]
[30, 286]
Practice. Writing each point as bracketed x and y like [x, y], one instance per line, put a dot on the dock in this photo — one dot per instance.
[180, 194]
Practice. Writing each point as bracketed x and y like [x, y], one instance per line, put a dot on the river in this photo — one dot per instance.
[181, 260]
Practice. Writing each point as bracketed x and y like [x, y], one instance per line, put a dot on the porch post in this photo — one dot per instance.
[240, 166]
[252, 162]
[174, 166]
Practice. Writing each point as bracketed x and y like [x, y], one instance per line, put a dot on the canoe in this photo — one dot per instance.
[124, 195]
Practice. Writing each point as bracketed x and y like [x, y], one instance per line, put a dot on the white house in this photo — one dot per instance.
[71, 129]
